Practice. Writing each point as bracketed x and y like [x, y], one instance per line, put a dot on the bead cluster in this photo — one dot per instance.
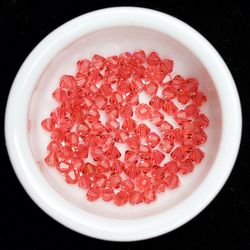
[85, 149]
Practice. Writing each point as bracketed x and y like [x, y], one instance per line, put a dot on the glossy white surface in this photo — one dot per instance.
[107, 32]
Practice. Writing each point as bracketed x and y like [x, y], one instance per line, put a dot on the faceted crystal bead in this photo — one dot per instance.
[169, 93]
[112, 62]
[130, 157]
[112, 124]
[178, 82]
[57, 135]
[67, 81]
[153, 59]
[114, 181]
[144, 152]
[72, 139]
[192, 110]
[183, 97]
[140, 55]
[101, 102]
[93, 193]
[58, 113]
[142, 130]
[53, 147]
[157, 156]
[93, 115]
[77, 164]
[131, 170]
[98, 62]
[81, 79]
[199, 98]
[178, 154]
[196, 155]
[145, 166]
[60, 95]
[52, 160]
[103, 166]
[112, 111]
[171, 167]
[166, 145]
[113, 153]
[132, 99]
[128, 186]
[117, 167]
[191, 85]
[149, 196]
[97, 153]
[48, 124]
[156, 103]
[72, 177]
[199, 137]
[157, 172]
[172, 181]
[167, 66]
[116, 98]
[100, 180]
[83, 66]
[201, 121]
[82, 129]
[129, 125]
[153, 139]
[133, 142]
[136, 197]
[89, 169]
[159, 185]
[151, 88]
[107, 194]
[126, 111]
[170, 108]
[157, 118]
[186, 166]
[121, 198]
[143, 111]
[166, 128]
[143, 182]
[106, 90]
[85, 182]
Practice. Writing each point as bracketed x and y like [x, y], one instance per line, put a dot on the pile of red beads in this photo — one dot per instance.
[99, 109]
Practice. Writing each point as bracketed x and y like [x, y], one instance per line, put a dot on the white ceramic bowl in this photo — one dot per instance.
[111, 31]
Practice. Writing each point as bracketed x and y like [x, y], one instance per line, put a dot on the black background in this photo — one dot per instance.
[224, 224]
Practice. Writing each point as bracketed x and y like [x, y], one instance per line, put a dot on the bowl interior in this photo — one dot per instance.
[107, 42]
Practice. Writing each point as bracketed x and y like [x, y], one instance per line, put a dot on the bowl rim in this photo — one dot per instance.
[16, 132]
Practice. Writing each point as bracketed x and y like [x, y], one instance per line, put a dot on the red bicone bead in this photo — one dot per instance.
[112, 124]
[106, 90]
[130, 157]
[82, 129]
[116, 98]
[167, 66]
[48, 124]
[186, 166]
[67, 81]
[98, 62]
[183, 96]
[196, 155]
[169, 93]
[77, 164]
[129, 125]
[157, 156]
[81, 151]
[100, 180]
[145, 166]
[172, 181]
[153, 139]
[157, 118]
[121, 198]
[52, 160]
[54, 147]
[113, 153]
[128, 185]
[158, 172]
[192, 110]
[103, 165]
[166, 128]
[93, 193]
[159, 185]
[114, 181]
[143, 111]
[179, 154]
[144, 152]
[89, 169]
[60, 95]
[117, 167]
[136, 197]
[178, 82]
[101, 101]
[72, 177]
[85, 182]
[142, 130]
[83, 66]
[151, 88]
[126, 111]
[171, 167]
[199, 98]
[166, 145]
[58, 113]
[191, 85]
[143, 182]
[107, 194]
[64, 167]
[153, 59]
[170, 108]
[201, 121]
[112, 62]
[156, 102]
[131, 170]
[149, 196]
[133, 142]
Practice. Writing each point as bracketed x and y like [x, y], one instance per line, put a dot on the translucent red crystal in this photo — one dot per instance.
[106, 141]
